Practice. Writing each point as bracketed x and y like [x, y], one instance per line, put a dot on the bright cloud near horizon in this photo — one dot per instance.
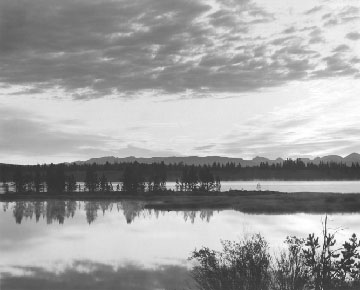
[237, 78]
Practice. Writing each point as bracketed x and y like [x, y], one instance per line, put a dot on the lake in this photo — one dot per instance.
[105, 245]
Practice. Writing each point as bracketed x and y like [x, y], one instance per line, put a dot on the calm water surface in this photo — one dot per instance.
[96, 245]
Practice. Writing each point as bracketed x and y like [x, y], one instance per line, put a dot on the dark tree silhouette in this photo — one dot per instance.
[91, 180]
[132, 179]
[157, 180]
[38, 181]
[71, 185]
[207, 181]
[19, 180]
[55, 178]
[189, 178]
[104, 184]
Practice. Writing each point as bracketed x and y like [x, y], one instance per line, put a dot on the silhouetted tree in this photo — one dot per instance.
[157, 180]
[207, 181]
[55, 178]
[329, 266]
[189, 178]
[104, 185]
[4, 179]
[217, 184]
[178, 186]
[133, 179]
[91, 180]
[38, 182]
[71, 183]
[290, 272]
[19, 180]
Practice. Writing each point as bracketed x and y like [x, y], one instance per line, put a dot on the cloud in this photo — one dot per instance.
[353, 35]
[204, 148]
[289, 30]
[336, 65]
[349, 11]
[314, 10]
[341, 48]
[91, 275]
[89, 48]
[342, 16]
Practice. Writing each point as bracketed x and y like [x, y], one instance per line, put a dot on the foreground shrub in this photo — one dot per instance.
[289, 272]
[241, 265]
[311, 264]
[330, 266]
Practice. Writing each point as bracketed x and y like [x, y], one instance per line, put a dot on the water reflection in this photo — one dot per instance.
[94, 275]
[60, 210]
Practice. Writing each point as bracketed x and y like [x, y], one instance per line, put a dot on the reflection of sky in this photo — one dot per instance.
[91, 275]
[148, 241]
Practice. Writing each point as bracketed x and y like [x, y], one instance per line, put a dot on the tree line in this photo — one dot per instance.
[134, 177]
[141, 177]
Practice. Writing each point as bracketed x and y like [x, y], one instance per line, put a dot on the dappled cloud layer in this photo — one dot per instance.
[91, 48]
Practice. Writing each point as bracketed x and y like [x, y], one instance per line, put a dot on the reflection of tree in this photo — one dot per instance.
[39, 208]
[190, 215]
[91, 208]
[59, 210]
[132, 209]
[70, 208]
[5, 206]
[23, 209]
[105, 205]
[204, 215]
[55, 211]
[18, 211]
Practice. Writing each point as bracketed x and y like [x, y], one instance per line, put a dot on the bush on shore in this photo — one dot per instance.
[305, 264]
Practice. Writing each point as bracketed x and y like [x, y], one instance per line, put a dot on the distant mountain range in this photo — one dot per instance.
[196, 160]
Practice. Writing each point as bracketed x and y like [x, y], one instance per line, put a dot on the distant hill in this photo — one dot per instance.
[196, 160]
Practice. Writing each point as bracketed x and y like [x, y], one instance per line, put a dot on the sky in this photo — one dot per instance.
[237, 78]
